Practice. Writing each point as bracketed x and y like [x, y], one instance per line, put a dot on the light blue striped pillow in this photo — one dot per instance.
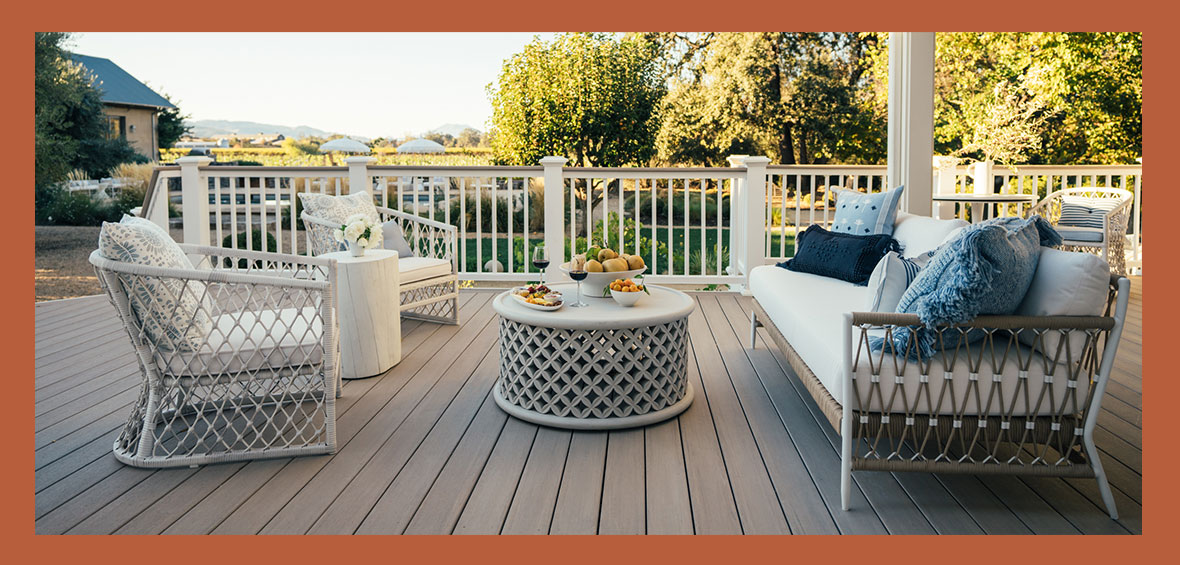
[1085, 212]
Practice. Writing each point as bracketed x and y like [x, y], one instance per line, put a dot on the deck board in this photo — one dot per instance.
[423, 449]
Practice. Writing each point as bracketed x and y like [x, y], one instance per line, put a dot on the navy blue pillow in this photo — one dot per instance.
[841, 256]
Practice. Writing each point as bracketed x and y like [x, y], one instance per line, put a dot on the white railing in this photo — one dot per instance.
[798, 196]
[1040, 180]
[691, 225]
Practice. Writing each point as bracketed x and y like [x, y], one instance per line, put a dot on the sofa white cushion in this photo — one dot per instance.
[248, 341]
[1067, 283]
[413, 269]
[919, 234]
[809, 311]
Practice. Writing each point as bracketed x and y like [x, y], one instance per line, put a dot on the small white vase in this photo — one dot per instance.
[356, 249]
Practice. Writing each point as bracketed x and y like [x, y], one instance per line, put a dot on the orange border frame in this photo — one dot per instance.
[300, 15]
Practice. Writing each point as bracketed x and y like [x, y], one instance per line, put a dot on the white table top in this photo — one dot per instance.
[370, 255]
[663, 305]
[972, 197]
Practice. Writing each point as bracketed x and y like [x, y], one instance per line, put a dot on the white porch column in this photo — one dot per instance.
[358, 173]
[195, 199]
[911, 118]
[554, 222]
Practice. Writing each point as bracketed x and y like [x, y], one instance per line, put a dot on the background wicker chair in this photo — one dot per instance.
[429, 279]
[261, 376]
[1106, 238]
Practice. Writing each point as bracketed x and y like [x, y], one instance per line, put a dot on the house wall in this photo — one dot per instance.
[143, 135]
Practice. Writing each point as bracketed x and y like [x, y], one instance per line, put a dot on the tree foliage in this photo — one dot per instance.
[69, 125]
[796, 97]
[170, 126]
[1044, 98]
[590, 97]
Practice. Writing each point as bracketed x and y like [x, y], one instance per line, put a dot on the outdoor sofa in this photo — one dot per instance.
[1007, 394]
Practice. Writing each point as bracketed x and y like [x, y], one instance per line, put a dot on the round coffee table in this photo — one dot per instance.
[595, 368]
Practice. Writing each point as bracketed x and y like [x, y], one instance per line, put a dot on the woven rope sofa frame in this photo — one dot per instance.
[270, 394]
[989, 433]
[434, 299]
[1112, 248]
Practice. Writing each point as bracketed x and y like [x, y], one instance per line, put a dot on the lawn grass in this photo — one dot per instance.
[473, 260]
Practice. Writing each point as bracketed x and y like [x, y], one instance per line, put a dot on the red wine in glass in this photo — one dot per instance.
[579, 276]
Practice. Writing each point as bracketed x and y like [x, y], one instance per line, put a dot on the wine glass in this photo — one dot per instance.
[541, 260]
[579, 276]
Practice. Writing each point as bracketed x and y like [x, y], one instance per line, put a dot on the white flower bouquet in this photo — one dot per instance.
[359, 233]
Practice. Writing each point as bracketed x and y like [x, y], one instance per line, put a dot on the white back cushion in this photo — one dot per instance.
[919, 234]
[1067, 283]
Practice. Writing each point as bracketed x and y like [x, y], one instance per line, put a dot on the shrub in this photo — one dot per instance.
[65, 208]
[256, 237]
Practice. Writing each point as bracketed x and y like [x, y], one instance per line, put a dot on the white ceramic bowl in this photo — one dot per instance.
[627, 298]
[595, 283]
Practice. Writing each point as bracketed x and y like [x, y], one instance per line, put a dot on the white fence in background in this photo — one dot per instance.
[691, 225]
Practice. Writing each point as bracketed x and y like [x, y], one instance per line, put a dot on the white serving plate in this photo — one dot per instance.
[520, 300]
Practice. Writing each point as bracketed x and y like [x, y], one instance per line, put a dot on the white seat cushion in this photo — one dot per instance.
[413, 269]
[809, 311]
[250, 341]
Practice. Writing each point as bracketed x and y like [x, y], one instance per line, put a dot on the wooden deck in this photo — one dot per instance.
[424, 449]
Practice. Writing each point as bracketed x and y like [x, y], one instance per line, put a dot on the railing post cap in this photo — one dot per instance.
[360, 160]
[194, 160]
[737, 160]
[553, 160]
[759, 160]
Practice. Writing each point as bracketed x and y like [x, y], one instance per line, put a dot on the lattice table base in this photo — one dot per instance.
[593, 379]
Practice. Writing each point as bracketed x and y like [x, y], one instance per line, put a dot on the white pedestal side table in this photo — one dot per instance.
[596, 368]
[370, 312]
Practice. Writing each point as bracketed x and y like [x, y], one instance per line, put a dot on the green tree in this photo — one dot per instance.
[1058, 98]
[170, 125]
[469, 137]
[590, 97]
[796, 97]
[67, 109]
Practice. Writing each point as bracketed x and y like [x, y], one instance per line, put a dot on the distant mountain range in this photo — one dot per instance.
[212, 128]
[451, 129]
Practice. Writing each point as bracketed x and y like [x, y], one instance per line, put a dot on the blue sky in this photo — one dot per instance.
[369, 84]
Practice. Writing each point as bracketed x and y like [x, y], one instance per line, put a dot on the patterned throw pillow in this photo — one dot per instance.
[175, 314]
[858, 213]
[841, 256]
[1085, 212]
[334, 209]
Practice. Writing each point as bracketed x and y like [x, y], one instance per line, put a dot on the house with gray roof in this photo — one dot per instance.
[131, 107]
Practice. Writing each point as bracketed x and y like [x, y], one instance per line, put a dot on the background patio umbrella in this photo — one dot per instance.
[420, 146]
[344, 145]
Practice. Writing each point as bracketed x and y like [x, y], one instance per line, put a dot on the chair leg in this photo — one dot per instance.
[1100, 476]
[754, 330]
[846, 460]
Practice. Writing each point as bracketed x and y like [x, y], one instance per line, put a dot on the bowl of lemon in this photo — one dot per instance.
[603, 265]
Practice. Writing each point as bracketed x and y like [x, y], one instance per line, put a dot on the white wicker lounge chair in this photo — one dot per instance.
[1105, 234]
[254, 371]
[429, 279]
